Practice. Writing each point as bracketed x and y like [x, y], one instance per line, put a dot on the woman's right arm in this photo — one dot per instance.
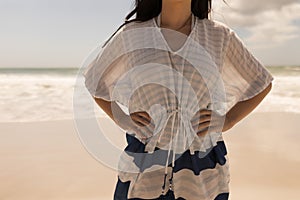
[127, 122]
[118, 116]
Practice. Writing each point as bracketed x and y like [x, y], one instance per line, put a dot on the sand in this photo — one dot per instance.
[46, 160]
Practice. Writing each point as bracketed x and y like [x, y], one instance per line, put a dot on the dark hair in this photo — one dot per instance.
[147, 9]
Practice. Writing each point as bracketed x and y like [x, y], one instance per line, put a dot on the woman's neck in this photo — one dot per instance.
[175, 13]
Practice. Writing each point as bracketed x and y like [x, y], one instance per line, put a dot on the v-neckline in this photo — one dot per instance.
[187, 36]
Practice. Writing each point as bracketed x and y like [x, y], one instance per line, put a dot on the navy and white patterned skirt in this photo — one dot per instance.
[193, 177]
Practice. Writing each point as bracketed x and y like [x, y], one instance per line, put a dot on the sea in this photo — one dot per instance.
[47, 94]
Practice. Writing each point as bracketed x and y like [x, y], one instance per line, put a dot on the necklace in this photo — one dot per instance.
[187, 21]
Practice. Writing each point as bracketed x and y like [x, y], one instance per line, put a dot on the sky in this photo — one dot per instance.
[61, 33]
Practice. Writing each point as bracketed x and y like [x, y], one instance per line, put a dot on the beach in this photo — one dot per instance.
[46, 160]
[43, 155]
[57, 143]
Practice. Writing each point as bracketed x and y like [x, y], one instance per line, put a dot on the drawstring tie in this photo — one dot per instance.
[173, 113]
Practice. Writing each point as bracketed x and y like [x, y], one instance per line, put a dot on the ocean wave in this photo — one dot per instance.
[47, 95]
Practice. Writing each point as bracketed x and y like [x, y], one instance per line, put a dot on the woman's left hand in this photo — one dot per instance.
[207, 120]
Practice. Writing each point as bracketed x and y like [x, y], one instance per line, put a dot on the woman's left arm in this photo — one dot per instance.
[243, 108]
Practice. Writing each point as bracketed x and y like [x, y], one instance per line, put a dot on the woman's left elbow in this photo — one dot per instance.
[268, 89]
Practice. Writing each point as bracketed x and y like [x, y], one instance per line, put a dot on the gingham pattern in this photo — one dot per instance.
[212, 48]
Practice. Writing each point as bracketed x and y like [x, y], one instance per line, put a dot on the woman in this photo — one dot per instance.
[246, 83]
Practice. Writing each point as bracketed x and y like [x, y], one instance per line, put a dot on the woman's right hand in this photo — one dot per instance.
[139, 123]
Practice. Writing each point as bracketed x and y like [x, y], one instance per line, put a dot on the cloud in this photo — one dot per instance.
[269, 22]
[257, 6]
